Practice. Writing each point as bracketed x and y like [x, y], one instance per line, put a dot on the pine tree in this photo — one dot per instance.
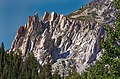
[2, 47]
[48, 74]
[2, 52]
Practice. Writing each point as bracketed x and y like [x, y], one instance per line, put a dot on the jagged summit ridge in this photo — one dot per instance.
[63, 38]
[68, 41]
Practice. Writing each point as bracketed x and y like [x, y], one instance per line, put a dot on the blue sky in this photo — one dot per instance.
[14, 13]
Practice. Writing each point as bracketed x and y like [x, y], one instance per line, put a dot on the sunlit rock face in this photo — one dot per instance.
[67, 41]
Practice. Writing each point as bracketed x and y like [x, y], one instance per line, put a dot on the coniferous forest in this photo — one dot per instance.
[12, 65]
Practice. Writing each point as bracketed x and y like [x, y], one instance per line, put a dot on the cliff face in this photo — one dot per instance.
[66, 40]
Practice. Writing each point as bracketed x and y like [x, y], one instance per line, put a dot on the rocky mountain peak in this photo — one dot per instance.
[49, 16]
[68, 40]
[45, 16]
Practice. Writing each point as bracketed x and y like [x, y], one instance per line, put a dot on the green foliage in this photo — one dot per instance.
[48, 74]
[84, 18]
[117, 4]
[12, 66]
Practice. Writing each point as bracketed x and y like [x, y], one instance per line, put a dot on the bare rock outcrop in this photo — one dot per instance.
[67, 41]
